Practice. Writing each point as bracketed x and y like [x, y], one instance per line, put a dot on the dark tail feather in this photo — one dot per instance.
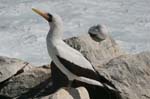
[108, 84]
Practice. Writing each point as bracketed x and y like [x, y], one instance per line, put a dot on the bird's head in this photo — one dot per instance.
[52, 19]
[55, 22]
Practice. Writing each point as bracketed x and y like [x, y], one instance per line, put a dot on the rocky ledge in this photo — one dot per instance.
[130, 74]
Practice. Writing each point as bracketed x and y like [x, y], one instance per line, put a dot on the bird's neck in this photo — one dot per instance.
[55, 33]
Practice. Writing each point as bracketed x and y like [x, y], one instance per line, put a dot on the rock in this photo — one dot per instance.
[78, 93]
[62, 94]
[97, 53]
[9, 67]
[83, 93]
[27, 83]
[130, 74]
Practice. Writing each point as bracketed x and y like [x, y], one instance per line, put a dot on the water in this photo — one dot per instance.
[23, 32]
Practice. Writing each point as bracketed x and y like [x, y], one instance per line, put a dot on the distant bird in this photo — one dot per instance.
[98, 32]
[70, 61]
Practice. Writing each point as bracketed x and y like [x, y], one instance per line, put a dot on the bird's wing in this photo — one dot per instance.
[75, 62]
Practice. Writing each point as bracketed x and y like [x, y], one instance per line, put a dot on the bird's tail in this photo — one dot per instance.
[96, 89]
[106, 83]
[96, 83]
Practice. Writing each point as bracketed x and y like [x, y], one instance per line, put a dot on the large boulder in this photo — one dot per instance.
[30, 81]
[97, 46]
[130, 74]
[96, 52]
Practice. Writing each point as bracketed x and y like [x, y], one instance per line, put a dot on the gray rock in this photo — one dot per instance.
[97, 53]
[130, 74]
[27, 83]
[9, 67]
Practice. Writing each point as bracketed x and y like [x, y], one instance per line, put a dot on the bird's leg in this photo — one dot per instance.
[70, 84]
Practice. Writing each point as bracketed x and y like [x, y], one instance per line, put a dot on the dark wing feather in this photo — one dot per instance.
[79, 71]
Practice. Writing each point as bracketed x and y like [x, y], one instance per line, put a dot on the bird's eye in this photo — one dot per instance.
[50, 17]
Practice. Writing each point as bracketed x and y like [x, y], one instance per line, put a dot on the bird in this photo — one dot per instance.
[67, 59]
[98, 32]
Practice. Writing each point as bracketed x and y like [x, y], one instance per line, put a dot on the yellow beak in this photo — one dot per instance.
[42, 13]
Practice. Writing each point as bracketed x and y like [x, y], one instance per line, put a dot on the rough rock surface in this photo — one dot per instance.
[31, 80]
[129, 73]
[9, 67]
[96, 52]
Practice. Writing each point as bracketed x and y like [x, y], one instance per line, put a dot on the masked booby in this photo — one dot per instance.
[70, 61]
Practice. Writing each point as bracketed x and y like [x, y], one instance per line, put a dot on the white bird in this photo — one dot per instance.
[70, 61]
